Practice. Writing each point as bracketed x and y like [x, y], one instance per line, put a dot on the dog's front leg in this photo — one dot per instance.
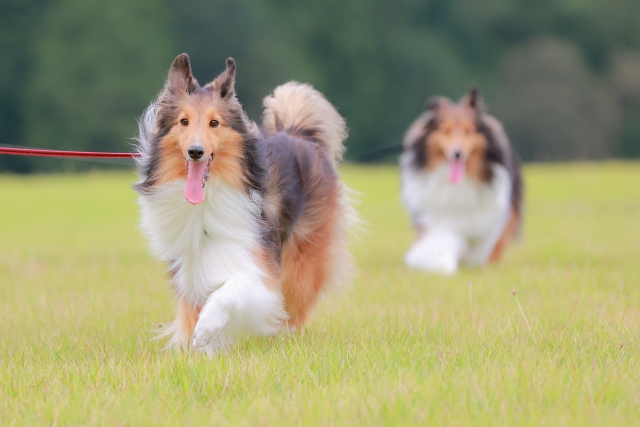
[242, 304]
[478, 255]
[438, 251]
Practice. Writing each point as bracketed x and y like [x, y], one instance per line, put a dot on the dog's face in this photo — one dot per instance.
[201, 129]
[454, 137]
[455, 133]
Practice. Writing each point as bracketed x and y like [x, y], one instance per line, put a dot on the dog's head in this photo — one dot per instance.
[454, 134]
[200, 129]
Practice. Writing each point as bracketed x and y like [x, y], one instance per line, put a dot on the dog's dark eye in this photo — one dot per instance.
[184, 122]
[213, 123]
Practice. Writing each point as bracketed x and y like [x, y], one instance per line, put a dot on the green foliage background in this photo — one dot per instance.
[563, 75]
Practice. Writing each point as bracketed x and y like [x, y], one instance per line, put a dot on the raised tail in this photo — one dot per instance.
[302, 111]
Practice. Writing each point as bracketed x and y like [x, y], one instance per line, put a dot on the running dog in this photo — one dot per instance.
[251, 220]
[462, 186]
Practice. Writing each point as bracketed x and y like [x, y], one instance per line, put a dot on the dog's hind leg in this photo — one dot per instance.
[507, 235]
[306, 264]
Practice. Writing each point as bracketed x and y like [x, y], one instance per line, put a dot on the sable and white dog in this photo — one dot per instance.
[462, 185]
[251, 221]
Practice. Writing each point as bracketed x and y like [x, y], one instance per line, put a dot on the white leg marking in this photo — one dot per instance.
[438, 251]
[479, 253]
[242, 305]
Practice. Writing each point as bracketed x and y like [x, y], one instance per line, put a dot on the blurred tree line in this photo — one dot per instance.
[563, 75]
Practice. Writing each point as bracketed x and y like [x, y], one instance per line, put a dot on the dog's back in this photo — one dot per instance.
[304, 197]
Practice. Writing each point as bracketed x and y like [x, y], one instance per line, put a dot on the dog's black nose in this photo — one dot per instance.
[457, 154]
[196, 152]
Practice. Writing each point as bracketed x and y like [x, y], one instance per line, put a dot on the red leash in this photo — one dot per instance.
[68, 154]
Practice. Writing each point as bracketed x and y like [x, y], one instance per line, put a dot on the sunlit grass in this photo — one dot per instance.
[80, 295]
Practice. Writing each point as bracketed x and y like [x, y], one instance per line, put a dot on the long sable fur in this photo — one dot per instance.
[291, 165]
[498, 149]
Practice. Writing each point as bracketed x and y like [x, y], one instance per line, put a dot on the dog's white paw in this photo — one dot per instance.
[209, 335]
[444, 262]
[437, 252]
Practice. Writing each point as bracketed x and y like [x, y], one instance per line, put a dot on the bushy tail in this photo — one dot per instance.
[302, 111]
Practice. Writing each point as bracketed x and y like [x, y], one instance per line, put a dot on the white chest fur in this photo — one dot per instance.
[469, 208]
[207, 243]
[462, 221]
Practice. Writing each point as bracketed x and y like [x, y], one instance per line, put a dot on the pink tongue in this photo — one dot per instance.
[194, 191]
[456, 171]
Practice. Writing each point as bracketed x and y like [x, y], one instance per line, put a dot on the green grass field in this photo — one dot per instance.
[80, 296]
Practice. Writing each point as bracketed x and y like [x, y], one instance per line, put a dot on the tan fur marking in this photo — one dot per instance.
[172, 164]
[227, 160]
[305, 259]
[508, 234]
[271, 205]
[222, 141]
[475, 166]
[435, 155]
[186, 320]
[457, 131]
[270, 266]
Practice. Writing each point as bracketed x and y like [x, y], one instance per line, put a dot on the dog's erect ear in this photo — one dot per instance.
[224, 84]
[434, 103]
[474, 100]
[180, 79]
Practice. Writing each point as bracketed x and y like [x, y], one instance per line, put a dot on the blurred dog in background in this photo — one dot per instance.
[462, 185]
